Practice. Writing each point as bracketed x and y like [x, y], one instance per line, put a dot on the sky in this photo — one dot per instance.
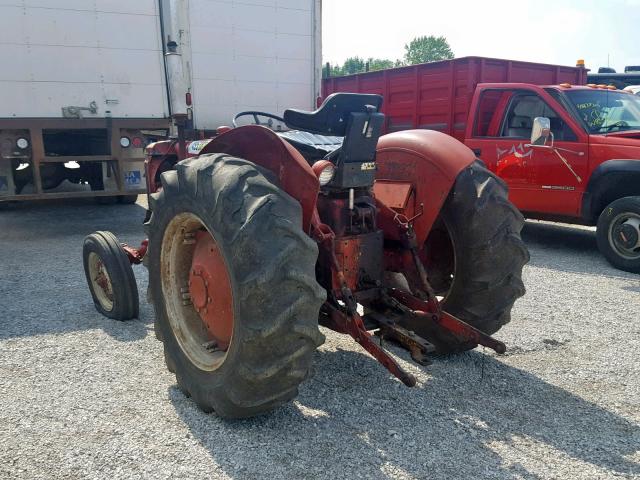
[558, 32]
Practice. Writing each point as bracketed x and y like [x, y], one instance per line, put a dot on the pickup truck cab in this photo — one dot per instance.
[568, 153]
[582, 168]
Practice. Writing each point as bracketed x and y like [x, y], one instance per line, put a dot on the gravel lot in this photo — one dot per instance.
[84, 396]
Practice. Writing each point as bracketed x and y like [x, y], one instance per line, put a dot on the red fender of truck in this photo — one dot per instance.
[266, 149]
[418, 167]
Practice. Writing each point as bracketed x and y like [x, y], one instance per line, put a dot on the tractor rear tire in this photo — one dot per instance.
[487, 251]
[270, 264]
[103, 256]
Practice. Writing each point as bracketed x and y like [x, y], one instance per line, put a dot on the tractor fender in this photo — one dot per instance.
[267, 150]
[610, 181]
[421, 166]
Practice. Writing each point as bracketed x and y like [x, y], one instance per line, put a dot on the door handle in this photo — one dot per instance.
[477, 152]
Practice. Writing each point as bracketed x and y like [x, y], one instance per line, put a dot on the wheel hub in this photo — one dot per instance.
[101, 281]
[625, 235]
[198, 289]
[210, 289]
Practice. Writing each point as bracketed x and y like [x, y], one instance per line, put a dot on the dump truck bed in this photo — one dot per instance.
[438, 95]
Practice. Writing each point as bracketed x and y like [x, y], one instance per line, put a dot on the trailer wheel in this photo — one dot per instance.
[127, 199]
[105, 200]
[474, 255]
[110, 276]
[232, 281]
[618, 234]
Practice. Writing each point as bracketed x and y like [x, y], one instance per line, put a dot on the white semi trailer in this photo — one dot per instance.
[85, 85]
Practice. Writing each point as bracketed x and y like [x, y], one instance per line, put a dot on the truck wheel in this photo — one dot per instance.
[618, 234]
[110, 276]
[232, 280]
[127, 199]
[102, 200]
[474, 255]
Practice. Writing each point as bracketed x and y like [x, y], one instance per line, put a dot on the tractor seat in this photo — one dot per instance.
[331, 118]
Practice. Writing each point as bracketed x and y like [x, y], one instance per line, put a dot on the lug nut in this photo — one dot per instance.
[189, 239]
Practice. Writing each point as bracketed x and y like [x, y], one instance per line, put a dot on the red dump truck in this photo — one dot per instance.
[567, 150]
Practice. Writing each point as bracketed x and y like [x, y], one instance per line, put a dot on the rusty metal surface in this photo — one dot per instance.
[430, 161]
[352, 324]
[396, 195]
[35, 127]
[159, 156]
[136, 255]
[210, 289]
[423, 311]
[389, 329]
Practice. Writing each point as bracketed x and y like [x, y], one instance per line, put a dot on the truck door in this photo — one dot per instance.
[505, 156]
[538, 180]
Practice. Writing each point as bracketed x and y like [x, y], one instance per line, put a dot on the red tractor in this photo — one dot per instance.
[269, 232]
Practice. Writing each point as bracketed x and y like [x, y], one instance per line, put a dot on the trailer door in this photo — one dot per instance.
[261, 56]
[103, 57]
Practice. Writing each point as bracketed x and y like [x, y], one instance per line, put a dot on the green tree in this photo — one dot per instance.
[419, 50]
[379, 64]
[358, 65]
[427, 49]
[353, 65]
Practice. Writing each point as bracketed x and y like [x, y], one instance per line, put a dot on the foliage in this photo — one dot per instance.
[427, 49]
[419, 50]
[358, 65]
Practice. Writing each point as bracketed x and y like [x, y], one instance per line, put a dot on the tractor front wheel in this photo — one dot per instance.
[474, 254]
[110, 276]
[232, 280]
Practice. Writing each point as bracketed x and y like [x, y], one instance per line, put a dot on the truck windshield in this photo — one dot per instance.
[605, 111]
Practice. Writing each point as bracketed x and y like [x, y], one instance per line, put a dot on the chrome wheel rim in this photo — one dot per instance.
[624, 235]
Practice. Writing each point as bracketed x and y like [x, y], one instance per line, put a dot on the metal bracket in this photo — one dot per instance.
[76, 112]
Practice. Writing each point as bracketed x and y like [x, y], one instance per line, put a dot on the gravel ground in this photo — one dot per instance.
[82, 396]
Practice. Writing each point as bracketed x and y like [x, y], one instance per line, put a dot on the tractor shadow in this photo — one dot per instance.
[569, 249]
[352, 420]
[42, 283]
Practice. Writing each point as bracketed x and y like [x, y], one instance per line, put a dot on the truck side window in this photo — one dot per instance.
[491, 107]
[523, 109]
[487, 110]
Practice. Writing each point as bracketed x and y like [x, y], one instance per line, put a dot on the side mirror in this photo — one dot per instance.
[541, 131]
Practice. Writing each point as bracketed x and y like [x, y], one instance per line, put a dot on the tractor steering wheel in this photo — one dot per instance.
[256, 120]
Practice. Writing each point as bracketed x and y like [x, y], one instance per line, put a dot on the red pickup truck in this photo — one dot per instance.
[569, 152]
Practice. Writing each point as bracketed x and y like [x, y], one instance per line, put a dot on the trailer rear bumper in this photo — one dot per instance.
[85, 151]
